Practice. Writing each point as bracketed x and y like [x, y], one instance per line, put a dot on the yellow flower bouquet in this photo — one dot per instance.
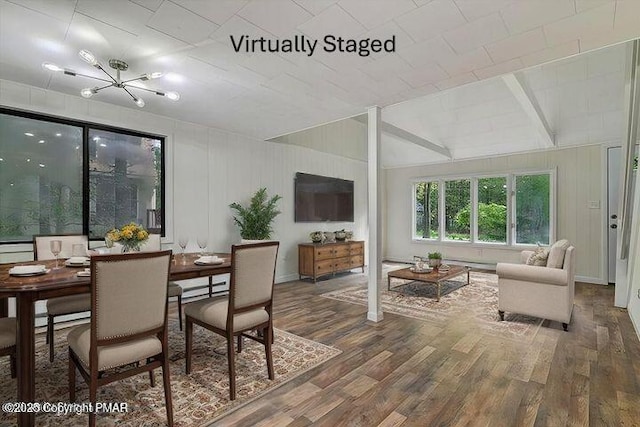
[130, 236]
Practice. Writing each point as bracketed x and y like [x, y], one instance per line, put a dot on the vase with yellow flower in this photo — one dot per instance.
[130, 236]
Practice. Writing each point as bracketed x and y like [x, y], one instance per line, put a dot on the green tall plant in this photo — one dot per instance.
[255, 220]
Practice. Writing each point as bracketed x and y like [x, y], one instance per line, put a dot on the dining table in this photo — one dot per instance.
[65, 281]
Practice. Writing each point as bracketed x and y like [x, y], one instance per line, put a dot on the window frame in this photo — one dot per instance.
[511, 208]
[86, 126]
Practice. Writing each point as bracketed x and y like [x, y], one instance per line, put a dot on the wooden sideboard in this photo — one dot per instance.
[315, 259]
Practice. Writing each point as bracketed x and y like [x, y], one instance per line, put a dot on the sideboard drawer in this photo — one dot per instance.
[326, 266]
[324, 253]
[356, 249]
[341, 251]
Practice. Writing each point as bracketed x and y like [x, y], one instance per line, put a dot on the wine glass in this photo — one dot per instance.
[56, 248]
[183, 241]
[202, 243]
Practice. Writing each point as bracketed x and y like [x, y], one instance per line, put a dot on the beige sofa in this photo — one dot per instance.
[544, 292]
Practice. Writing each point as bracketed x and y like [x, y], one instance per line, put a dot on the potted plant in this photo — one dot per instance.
[256, 219]
[435, 259]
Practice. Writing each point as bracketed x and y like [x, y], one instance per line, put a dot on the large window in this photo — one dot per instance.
[508, 209]
[532, 208]
[492, 210]
[64, 177]
[427, 221]
[457, 209]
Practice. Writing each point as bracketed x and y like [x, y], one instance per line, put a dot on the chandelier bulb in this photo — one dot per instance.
[155, 75]
[139, 102]
[88, 57]
[51, 67]
[174, 96]
[88, 92]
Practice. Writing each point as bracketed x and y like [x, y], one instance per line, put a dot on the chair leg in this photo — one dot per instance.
[565, 327]
[232, 367]
[72, 379]
[50, 336]
[188, 337]
[180, 310]
[93, 391]
[12, 361]
[167, 387]
[240, 343]
[152, 379]
[267, 349]
[501, 314]
[210, 286]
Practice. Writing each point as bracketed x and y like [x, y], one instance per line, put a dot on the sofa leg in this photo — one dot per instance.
[501, 314]
[565, 327]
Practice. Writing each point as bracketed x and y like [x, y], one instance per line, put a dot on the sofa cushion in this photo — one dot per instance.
[556, 253]
[539, 257]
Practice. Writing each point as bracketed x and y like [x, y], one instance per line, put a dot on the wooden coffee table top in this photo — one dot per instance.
[431, 277]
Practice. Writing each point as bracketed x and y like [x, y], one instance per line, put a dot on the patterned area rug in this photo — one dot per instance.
[198, 399]
[478, 300]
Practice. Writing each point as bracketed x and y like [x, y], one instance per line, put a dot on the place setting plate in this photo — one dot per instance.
[28, 270]
[208, 260]
[78, 262]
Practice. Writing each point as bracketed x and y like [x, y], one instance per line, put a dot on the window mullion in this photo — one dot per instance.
[441, 210]
[473, 217]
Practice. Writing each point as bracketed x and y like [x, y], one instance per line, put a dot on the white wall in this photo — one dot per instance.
[207, 169]
[579, 180]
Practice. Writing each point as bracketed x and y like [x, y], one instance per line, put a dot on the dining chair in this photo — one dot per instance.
[153, 243]
[60, 306]
[8, 341]
[128, 324]
[248, 306]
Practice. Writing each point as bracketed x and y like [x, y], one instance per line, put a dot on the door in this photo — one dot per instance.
[613, 193]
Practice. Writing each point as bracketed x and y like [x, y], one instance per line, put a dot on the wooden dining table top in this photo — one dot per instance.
[182, 267]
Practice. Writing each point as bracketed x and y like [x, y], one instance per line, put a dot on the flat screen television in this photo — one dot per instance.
[321, 198]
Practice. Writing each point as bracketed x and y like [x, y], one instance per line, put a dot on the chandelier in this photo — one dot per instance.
[118, 65]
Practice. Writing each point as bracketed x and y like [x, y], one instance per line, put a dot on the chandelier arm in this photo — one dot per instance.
[157, 92]
[133, 80]
[135, 98]
[99, 67]
[93, 77]
[104, 87]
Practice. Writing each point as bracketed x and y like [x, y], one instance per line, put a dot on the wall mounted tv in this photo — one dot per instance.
[321, 198]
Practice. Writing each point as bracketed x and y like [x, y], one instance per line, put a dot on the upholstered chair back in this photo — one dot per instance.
[129, 292]
[42, 248]
[253, 272]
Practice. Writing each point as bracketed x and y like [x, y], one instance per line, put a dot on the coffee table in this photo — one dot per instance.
[432, 278]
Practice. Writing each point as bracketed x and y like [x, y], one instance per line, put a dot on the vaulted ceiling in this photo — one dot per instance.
[441, 44]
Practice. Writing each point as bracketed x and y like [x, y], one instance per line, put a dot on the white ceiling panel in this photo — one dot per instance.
[597, 20]
[152, 5]
[333, 20]
[128, 16]
[373, 13]
[522, 16]
[181, 23]
[315, 6]
[218, 11]
[279, 17]
[431, 19]
[62, 10]
[474, 9]
[477, 33]
[517, 46]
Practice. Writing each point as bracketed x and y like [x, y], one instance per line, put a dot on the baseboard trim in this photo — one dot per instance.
[287, 278]
[592, 280]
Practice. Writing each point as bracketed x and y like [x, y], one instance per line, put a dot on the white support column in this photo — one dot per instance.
[374, 312]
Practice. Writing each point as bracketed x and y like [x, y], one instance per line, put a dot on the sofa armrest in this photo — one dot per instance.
[531, 273]
[524, 256]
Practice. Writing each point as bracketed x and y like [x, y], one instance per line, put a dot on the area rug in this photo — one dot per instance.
[198, 398]
[477, 301]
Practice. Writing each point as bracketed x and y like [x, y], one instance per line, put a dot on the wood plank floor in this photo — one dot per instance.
[407, 372]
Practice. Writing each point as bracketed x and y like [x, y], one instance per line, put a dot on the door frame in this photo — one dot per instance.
[605, 209]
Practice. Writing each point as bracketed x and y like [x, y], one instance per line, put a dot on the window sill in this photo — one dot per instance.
[485, 245]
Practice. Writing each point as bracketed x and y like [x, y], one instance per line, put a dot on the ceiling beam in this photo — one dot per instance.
[527, 100]
[392, 130]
